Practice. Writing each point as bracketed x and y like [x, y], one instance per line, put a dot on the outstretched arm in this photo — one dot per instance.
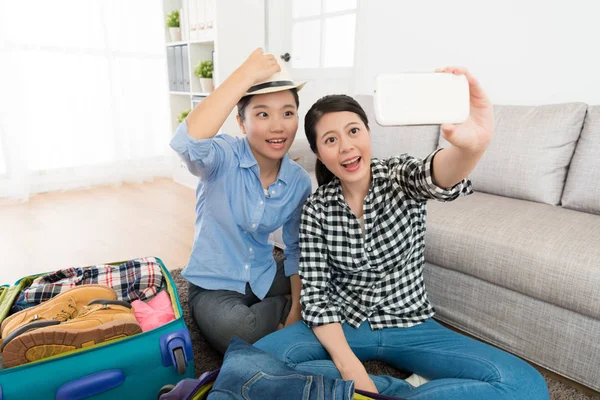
[468, 140]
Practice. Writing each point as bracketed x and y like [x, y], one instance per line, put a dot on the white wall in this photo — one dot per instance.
[522, 51]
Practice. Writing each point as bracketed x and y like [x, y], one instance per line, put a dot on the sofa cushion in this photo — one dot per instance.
[530, 152]
[549, 253]
[582, 189]
[387, 141]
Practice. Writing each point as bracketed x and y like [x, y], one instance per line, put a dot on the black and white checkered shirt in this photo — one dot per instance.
[379, 278]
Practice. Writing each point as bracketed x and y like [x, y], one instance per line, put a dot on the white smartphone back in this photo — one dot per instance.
[421, 98]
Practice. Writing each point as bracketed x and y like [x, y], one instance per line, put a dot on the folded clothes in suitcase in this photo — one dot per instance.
[72, 346]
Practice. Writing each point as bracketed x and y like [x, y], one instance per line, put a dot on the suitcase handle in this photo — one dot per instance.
[90, 385]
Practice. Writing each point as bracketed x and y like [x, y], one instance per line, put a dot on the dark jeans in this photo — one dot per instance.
[222, 314]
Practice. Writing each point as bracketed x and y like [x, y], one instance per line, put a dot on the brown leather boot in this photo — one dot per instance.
[101, 321]
[60, 308]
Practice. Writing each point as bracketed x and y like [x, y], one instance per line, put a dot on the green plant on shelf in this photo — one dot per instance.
[204, 69]
[183, 115]
[173, 19]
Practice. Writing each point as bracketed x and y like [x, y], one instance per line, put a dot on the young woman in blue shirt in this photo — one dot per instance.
[248, 188]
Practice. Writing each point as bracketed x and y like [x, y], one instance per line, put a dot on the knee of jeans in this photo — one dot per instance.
[527, 383]
[269, 345]
[533, 385]
[279, 347]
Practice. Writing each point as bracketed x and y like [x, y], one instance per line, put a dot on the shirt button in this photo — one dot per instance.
[326, 204]
[261, 202]
[272, 192]
[251, 250]
[246, 266]
[369, 249]
[254, 225]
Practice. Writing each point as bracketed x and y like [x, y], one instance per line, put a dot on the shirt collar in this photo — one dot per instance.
[247, 160]
[247, 157]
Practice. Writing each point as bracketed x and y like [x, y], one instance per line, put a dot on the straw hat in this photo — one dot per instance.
[277, 82]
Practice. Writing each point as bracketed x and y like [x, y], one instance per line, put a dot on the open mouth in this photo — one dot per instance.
[278, 143]
[351, 164]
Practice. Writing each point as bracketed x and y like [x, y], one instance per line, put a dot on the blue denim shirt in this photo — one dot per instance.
[235, 216]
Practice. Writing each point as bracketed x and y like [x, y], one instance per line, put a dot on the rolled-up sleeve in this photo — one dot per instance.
[203, 157]
[318, 309]
[415, 178]
[291, 230]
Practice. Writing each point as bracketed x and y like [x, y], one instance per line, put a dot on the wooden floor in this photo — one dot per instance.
[106, 224]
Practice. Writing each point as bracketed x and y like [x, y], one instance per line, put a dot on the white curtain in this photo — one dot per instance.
[83, 94]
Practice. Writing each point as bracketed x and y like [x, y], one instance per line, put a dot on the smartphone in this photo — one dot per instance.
[421, 98]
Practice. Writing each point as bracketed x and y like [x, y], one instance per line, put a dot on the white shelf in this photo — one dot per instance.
[210, 31]
[180, 43]
[184, 42]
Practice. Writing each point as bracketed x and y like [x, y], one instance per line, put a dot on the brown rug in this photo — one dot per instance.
[207, 359]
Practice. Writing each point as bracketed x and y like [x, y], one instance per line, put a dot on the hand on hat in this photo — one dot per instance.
[476, 132]
[260, 66]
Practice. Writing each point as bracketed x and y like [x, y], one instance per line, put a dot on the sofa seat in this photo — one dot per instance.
[548, 253]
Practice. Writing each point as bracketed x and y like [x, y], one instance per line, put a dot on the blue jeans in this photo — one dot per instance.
[459, 367]
[251, 374]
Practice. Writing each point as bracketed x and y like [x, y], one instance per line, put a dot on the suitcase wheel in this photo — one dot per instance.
[165, 389]
[180, 363]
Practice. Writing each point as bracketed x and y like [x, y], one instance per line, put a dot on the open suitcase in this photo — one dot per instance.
[134, 367]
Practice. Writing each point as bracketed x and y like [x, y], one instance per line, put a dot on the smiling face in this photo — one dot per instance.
[270, 121]
[344, 146]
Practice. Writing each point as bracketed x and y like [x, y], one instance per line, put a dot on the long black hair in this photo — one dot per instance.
[244, 101]
[326, 105]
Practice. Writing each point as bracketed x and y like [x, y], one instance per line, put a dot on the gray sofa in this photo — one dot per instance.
[517, 264]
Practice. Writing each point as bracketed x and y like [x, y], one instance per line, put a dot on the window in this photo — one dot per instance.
[86, 101]
[2, 162]
[323, 33]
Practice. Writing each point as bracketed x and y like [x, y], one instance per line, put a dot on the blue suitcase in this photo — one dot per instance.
[135, 367]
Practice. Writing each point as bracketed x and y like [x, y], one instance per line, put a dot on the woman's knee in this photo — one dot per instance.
[524, 382]
[530, 384]
[292, 344]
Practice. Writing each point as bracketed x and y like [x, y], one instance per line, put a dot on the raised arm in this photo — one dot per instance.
[207, 117]
[468, 140]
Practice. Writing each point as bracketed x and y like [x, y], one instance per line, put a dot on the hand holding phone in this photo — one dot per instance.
[415, 98]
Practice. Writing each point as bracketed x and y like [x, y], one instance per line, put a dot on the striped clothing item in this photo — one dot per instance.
[376, 277]
[138, 279]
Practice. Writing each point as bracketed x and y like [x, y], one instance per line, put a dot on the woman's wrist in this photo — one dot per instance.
[350, 368]
[243, 77]
[347, 363]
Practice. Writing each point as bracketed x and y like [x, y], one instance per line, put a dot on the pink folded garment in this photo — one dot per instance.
[156, 312]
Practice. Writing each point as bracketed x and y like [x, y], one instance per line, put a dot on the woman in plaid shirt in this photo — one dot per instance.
[362, 254]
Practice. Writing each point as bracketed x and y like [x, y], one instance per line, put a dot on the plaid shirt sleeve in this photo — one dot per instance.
[414, 176]
[315, 271]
